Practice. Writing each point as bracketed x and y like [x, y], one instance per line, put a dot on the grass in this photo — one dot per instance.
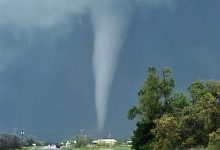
[93, 148]
[31, 148]
[101, 148]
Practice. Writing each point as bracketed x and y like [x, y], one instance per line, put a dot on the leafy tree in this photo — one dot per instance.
[169, 120]
[149, 96]
[153, 95]
[154, 98]
[167, 132]
[133, 112]
[214, 140]
[142, 136]
[177, 102]
[166, 86]
[199, 88]
[201, 118]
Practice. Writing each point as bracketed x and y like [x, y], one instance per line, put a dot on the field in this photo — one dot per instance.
[94, 148]
[101, 148]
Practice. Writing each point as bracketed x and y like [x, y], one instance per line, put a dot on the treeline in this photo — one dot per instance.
[173, 120]
[9, 142]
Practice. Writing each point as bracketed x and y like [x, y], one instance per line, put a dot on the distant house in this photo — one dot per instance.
[110, 142]
[129, 142]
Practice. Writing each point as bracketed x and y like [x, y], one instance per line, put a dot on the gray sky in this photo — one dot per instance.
[47, 84]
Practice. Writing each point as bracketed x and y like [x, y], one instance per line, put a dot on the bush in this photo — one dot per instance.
[29, 142]
[81, 141]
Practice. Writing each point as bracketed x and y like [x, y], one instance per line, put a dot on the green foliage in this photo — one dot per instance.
[166, 87]
[167, 132]
[207, 112]
[153, 95]
[177, 102]
[214, 137]
[132, 113]
[149, 96]
[201, 119]
[153, 102]
[199, 88]
[29, 141]
[81, 141]
[170, 120]
[142, 136]
[214, 140]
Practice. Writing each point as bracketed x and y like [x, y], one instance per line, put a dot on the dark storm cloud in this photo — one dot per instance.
[46, 53]
[110, 19]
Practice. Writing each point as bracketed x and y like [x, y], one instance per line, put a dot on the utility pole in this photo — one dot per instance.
[14, 131]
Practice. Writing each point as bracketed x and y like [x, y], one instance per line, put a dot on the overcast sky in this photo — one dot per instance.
[47, 79]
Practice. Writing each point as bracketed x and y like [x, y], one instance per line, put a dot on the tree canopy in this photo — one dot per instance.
[172, 119]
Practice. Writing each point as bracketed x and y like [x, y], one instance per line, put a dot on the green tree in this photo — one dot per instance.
[149, 96]
[81, 141]
[166, 87]
[201, 119]
[133, 112]
[169, 120]
[176, 103]
[214, 140]
[142, 137]
[199, 88]
[153, 98]
[167, 132]
[29, 141]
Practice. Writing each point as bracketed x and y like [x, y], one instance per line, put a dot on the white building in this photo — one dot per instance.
[110, 142]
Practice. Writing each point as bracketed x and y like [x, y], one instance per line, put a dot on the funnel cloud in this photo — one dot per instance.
[110, 26]
[110, 20]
